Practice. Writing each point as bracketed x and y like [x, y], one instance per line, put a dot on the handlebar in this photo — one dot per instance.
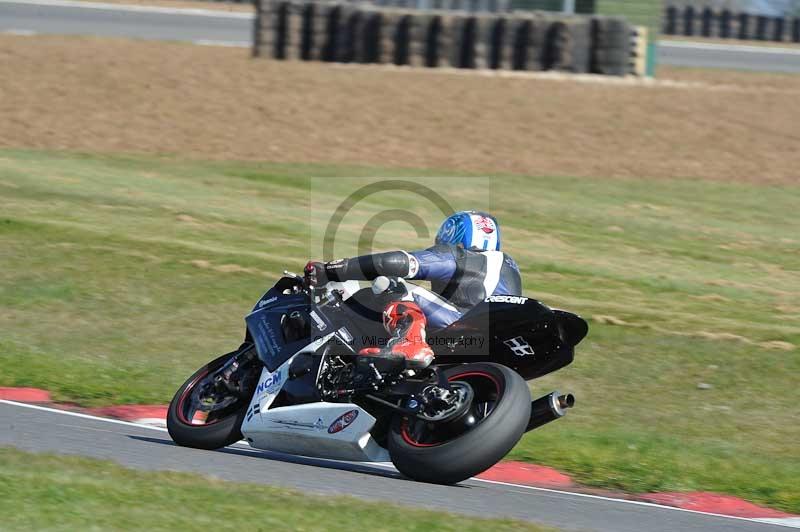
[318, 294]
[381, 284]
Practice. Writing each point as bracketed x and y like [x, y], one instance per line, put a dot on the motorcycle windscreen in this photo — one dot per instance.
[281, 329]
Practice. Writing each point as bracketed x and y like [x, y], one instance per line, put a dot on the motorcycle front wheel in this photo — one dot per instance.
[193, 420]
[498, 416]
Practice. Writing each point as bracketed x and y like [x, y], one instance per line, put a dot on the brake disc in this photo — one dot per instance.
[441, 405]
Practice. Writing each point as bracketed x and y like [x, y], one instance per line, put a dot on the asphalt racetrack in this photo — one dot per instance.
[140, 22]
[39, 429]
[733, 56]
[201, 26]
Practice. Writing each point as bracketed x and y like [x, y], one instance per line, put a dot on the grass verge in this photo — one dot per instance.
[121, 275]
[47, 492]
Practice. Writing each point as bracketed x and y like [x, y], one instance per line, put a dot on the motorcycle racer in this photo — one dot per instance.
[464, 266]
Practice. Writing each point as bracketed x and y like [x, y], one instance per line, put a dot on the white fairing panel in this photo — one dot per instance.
[269, 384]
[338, 431]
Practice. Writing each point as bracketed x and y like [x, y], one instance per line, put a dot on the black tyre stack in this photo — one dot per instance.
[610, 46]
[498, 56]
[527, 43]
[353, 33]
[566, 46]
[694, 20]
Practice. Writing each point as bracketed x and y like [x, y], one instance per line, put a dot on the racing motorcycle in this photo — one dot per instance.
[295, 385]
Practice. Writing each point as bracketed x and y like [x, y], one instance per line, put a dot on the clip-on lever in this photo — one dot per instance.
[287, 273]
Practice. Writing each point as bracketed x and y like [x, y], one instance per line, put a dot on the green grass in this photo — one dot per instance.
[46, 492]
[638, 12]
[120, 275]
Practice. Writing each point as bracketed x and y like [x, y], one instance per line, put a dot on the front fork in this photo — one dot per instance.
[233, 376]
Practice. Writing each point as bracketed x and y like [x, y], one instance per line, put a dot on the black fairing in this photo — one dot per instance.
[265, 326]
[528, 337]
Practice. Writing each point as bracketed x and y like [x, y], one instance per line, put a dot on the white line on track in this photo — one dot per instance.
[134, 8]
[791, 522]
[22, 33]
[228, 44]
[78, 414]
[693, 45]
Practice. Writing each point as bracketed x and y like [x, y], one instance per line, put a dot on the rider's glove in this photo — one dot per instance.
[315, 273]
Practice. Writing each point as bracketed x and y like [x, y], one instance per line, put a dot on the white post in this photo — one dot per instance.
[568, 7]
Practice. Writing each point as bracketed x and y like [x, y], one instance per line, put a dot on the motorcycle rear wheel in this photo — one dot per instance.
[209, 434]
[422, 456]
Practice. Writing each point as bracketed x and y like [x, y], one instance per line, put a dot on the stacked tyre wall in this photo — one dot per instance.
[693, 21]
[348, 33]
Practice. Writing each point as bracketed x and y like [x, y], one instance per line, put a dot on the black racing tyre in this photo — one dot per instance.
[619, 41]
[371, 38]
[612, 57]
[481, 446]
[402, 38]
[610, 33]
[213, 434]
[611, 69]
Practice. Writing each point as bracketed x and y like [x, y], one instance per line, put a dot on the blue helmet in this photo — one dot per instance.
[473, 230]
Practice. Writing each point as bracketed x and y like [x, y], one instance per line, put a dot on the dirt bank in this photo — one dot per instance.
[110, 95]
